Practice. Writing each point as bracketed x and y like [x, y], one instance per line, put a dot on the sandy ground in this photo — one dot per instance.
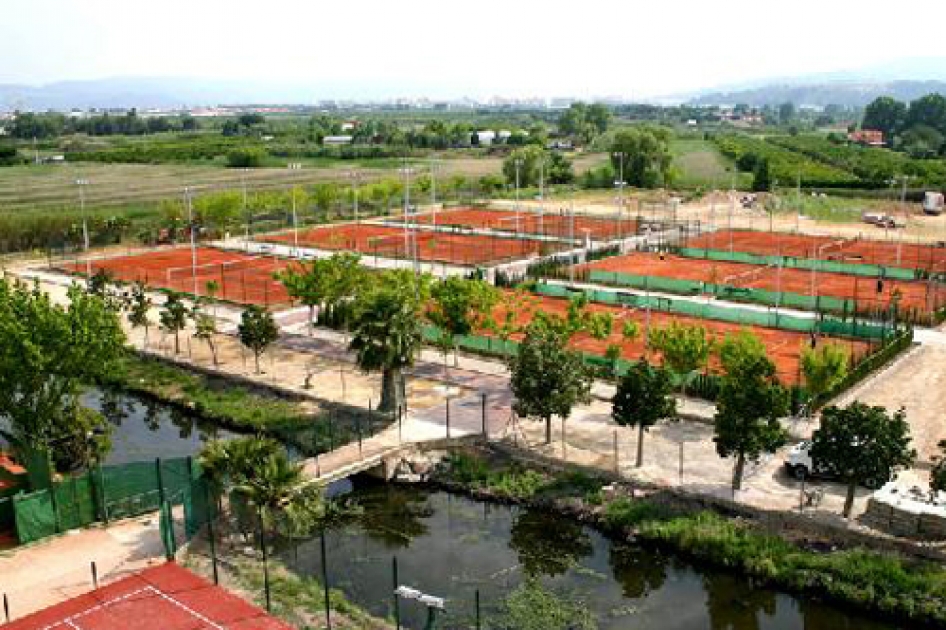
[59, 568]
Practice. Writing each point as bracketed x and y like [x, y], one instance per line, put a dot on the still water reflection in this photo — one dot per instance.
[450, 546]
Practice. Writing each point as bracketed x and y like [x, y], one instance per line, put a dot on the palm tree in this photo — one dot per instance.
[386, 336]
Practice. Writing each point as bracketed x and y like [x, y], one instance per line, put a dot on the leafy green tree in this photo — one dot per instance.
[529, 159]
[173, 317]
[762, 177]
[824, 368]
[938, 474]
[386, 334]
[558, 169]
[861, 444]
[750, 403]
[257, 331]
[205, 329]
[929, 110]
[546, 378]
[922, 141]
[684, 348]
[642, 399]
[736, 349]
[47, 353]
[459, 307]
[786, 113]
[80, 439]
[139, 309]
[646, 156]
[325, 283]
[248, 157]
[885, 114]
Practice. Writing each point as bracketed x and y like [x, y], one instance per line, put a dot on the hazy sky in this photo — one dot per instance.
[478, 48]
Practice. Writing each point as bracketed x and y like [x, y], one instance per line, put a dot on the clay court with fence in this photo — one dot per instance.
[381, 241]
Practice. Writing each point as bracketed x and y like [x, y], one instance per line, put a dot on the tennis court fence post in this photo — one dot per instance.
[262, 544]
[325, 586]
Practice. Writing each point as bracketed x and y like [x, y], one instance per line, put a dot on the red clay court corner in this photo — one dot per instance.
[167, 597]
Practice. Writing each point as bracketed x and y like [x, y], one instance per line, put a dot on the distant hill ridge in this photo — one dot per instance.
[851, 94]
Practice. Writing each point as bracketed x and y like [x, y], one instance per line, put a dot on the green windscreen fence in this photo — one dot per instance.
[829, 266]
[818, 303]
[703, 310]
[103, 494]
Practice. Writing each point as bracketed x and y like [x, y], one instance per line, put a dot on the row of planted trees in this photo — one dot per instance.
[856, 444]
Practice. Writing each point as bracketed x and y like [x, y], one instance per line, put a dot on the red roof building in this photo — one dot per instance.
[868, 137]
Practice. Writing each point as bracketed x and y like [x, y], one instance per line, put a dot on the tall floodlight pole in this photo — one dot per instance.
[433, 188]
[82, 183]
[353, 175]
[193, 230]
[518, 165]
[620, 183]
[571, 230]
[295, 223]
[903, 205]
[798, 203]
[246, 211]
[412, 251]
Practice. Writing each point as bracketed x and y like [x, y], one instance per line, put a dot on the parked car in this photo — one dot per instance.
[881, 220]
[800, 465]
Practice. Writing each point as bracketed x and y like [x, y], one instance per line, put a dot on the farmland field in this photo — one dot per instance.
[115, 185]
[700, 163]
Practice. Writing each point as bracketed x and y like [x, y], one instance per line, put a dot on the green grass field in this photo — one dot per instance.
[700, 164]
[47, 187]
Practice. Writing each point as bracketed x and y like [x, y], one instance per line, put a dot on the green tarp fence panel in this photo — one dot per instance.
[829, 266]
[7, 521]
[166, 529]
[35, 516]
[75, 502]
[474, 343]
[770, 319]
[103, 494]
[197, 506]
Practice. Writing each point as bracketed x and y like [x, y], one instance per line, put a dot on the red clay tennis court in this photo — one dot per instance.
[889, 253]
[167, 597]
[784, 346]
[555, 223]
[242, 278]
[395, 242]
[924, 297]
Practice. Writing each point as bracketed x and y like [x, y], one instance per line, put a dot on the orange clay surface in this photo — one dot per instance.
[922, 296]
[784, 347]
[853, 251]
[390, 242]
[240, 277]
[552, 223]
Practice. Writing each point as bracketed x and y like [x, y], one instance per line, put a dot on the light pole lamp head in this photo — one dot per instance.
[432, 602]
[406, 592]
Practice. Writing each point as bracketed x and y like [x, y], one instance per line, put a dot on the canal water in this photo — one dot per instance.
[449, 546]
[143, 430]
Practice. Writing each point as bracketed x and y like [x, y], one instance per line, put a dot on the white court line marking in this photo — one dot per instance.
[71, 621]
